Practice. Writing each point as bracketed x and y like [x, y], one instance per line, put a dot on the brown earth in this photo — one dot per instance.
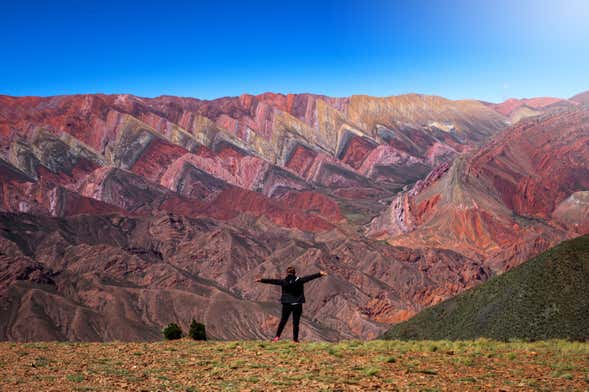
[255, 366]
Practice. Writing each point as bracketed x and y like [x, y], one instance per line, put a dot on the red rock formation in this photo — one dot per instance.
[491, 205]
[508, 106]
[167, 209]
[112, 125]
[301, 160]
[109, 277]
[234, 201]
[313, 202]
[156, 159]
[538, 164]
[356, 150]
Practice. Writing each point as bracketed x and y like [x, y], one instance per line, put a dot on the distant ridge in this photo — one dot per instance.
[582, 98]
[543, 298]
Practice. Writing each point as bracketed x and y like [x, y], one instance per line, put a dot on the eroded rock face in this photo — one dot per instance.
[122, 214]
[518, 195]
[205, 158]
[573, 212]
[126, 277]
[125, 131]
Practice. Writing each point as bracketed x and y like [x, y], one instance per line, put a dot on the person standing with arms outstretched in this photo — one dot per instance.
[292, 299]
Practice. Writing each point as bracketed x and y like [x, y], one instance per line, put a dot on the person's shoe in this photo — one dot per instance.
[295, 341]
[276, 338]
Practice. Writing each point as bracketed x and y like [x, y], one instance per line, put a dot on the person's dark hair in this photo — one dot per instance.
[291, 271]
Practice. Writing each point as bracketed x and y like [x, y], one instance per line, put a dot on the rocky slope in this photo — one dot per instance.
[544, 298]
[169, 208]
[121, 214]
[275, 145]
[523, 192]
[105, 277]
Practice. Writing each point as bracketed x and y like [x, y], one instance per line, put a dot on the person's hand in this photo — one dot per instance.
[259, 280]
[323, 273]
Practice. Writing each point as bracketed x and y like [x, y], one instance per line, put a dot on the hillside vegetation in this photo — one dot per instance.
[546, 297]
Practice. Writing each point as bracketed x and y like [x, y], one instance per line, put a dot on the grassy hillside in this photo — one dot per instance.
[188, 366]
[546, 297]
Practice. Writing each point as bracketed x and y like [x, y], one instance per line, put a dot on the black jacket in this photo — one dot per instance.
[293, 291]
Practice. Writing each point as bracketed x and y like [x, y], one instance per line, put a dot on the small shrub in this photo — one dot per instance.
[370, 371]
[197, 331]
[41, 362]
[78, 377]
[172, 332]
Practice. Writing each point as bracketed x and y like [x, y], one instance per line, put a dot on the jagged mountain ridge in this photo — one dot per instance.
[224, 191]
[521, 193]
[518, 109]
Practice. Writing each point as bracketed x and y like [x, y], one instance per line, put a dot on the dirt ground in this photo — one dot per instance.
[186, 365]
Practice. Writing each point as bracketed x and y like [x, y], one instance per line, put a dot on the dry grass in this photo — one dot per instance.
[186, 365]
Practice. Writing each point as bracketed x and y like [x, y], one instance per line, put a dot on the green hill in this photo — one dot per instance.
[546, 297]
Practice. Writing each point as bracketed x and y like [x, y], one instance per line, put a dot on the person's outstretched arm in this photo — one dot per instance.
[307, 278]
[269, 281]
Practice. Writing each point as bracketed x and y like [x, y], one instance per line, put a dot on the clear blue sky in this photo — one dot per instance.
[488, 50]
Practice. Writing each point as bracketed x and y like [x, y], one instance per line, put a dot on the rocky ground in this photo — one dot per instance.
[187, 365]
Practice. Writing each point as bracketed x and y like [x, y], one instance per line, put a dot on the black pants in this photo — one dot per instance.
[296, 311]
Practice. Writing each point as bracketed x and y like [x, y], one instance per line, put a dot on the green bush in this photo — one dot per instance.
[197, 331]
[172, 332]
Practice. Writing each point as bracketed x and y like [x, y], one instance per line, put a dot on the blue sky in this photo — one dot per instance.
[488, 50]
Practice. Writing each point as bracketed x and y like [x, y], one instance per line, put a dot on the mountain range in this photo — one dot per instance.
[120, 214]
